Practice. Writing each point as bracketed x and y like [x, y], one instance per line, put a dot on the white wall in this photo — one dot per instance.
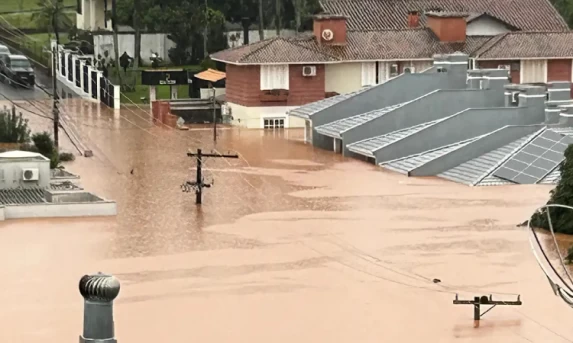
[254, 36]
[252, 117]
[343, 77]
[108, 208]
[485, 26]
[12, 171]
[150, 42]
[93, 16]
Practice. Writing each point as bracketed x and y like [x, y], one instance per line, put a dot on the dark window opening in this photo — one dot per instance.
[79, 6]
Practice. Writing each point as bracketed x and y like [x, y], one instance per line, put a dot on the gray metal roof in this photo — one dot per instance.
[22, 196]
[406, 164]
[308, 110]
[367, 147]
[336, 128]
[567, 131]
[477, 172]
[552, 178]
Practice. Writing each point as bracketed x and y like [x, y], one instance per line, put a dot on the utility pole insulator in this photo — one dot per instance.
[484, 300]
[199, 184]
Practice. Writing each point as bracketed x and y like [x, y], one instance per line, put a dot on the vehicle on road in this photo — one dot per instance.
[4, 50]
[17, 71]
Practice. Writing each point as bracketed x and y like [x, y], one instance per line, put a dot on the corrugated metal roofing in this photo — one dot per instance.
[308, 110]
[477, 170]
[406, 164]
[22, 196]
[552, 178]
[368, 146]
[336, 128]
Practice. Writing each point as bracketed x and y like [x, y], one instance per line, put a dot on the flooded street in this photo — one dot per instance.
[291, 244]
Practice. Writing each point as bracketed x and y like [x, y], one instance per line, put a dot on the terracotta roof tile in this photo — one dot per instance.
[528, 45]
[532, 15]
[361, 46]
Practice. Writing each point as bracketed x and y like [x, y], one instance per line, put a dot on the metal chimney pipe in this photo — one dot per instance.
[99, 291]
[246, 22]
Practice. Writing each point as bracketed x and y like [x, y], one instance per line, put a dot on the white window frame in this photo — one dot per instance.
[274, 122]
[274, 77]
[523, 67]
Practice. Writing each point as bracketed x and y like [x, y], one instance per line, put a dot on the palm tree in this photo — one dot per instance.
[51, 16]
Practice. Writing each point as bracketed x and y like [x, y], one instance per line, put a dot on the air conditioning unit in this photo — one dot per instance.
[309, 71]
[515, 98]
[441, 70]
[30, 174]
[409, 70]
[504, 66]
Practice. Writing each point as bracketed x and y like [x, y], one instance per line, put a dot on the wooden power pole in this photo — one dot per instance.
[198, 184]
[484, 300]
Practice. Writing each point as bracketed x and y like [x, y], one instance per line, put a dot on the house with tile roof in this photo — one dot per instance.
[361, 43]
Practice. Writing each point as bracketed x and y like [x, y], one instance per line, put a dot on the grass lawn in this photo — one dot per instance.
[25, 21]
[19, 5]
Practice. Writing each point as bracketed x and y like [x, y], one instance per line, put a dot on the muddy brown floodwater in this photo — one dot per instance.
[292, 244]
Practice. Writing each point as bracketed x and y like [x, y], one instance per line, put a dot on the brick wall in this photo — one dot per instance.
[514, 73]
[448, 29]
[244, 87]
[559, 70]
[302, 89]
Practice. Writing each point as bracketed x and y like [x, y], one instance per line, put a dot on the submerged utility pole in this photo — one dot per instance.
[99, 291]
[198, 184]
[55, 110]
[484, 300]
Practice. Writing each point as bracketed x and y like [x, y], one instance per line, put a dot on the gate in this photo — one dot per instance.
[106, 92]
[70, 70]
[86, 79]
[94, 84]
[78, 75]
[111, 93]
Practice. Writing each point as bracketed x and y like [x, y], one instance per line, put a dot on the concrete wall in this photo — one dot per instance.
[493, 141]
[108, 208]
[439, 104]
[253, 117]
[71, 197]
[485, 26]
[467, 124]
[12, 174]
[150, 42]
[343, 78]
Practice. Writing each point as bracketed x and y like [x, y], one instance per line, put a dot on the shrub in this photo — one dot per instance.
[562, 194]
[13, 127]
[67, 157]
[44, 143]
[208, 64]
[54, 161]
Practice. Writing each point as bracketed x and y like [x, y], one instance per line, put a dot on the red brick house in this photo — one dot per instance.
[366, 42]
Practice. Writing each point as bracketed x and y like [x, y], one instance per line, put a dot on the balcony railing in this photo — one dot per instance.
[274, 95]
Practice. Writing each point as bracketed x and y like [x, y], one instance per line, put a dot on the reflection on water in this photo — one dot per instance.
[291, 244]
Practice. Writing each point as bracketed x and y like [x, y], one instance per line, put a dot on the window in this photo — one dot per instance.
[79, 6]
[274, 77]
[20, 63]
[375, 73]
[274, 123]
[533, 71]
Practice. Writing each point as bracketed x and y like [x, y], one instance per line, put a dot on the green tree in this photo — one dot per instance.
[44, 143]
[51, 16]
[561, 218]
[13, 127]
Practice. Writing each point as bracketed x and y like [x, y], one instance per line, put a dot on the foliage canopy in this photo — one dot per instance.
[13, 127]
[561, 218]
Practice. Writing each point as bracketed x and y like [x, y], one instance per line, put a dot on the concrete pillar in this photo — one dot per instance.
[99, 291]
[307, 131]
[152, 95]
[533, 98]
[82, 64]
[337, 145]
[90, 86]
[74, 74]
[173, 90]
[99, 76]
[117, 97]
